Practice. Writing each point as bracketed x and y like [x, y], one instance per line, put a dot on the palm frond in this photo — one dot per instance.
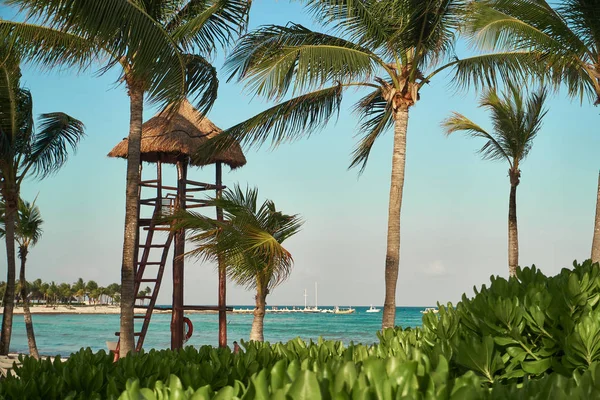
[124, 31]
[376, 118]
[249, 241]
[49, 47]
[202, 80]
[29, 223]
[522, 25]
[274, 59]
[564, 39]
[355, 19]
[431, 29]
[583, 19]
[21, 142]
[10, 75]
[206, 24]
[49, 150]
[487, 70]
[288, 121]
[516, 122]
[491, 150]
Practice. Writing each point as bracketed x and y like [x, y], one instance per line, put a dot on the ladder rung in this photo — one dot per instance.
[149, 263]
[196, 206]
[142, 297]
[148, 280]
[141, 316]
[134, 334]
[154, 246]
[158, 228]
[148, 221]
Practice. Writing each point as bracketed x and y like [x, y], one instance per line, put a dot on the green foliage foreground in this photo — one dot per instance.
[536, 337]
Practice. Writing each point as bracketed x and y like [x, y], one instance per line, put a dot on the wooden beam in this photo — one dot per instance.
[178, 264]
[222, 271]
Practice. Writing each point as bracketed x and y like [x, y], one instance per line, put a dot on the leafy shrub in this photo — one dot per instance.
[533, 337]
[376, 378]
[529, 326]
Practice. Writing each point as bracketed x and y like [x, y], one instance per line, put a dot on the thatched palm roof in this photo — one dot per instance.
[182, 135]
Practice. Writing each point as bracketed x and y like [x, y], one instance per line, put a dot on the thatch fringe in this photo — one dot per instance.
[168, 140]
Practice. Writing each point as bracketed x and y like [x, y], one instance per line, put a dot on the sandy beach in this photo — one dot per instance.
[89, 309]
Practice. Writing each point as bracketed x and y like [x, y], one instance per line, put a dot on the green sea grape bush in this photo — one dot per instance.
[376, 379]
[522, 338]
[86, 375]
[529, 326]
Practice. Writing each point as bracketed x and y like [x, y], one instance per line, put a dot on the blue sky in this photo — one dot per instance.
[454, 216]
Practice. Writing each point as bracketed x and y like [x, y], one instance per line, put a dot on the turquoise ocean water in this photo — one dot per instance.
[66, 333]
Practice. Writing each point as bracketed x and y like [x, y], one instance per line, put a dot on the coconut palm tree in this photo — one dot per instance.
[249, 242]
[25, 152]
[562, 38]
[161, 46]
[28, 230]
[390, 47]
[79, 289]
[516, 122]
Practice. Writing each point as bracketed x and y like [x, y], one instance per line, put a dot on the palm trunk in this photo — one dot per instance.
[596, 240]
[513, 237]
[256, 333]
[392, 258]
[136, 96]
[26, 313]
[11, 200]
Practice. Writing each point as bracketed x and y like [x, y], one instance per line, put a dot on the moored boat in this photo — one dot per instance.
[337, 310]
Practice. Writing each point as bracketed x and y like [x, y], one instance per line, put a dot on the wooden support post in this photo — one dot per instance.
[177, 315]
[222, 271]
[159, 182]
[137, 234]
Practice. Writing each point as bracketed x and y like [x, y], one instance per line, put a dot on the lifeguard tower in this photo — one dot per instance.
[173, 141]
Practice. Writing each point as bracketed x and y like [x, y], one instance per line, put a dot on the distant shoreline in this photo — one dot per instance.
[90, 309]
[107, 309]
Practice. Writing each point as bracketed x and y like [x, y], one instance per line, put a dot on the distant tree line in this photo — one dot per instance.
[39, 292]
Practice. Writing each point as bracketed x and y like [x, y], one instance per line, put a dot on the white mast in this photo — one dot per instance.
[316, 304]
[305, 295]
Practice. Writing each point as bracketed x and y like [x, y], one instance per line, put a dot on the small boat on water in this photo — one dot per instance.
[337, 310]
[373, 309]
[430, 310]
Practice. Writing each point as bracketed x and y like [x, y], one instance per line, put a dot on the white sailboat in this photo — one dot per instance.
[373, 309]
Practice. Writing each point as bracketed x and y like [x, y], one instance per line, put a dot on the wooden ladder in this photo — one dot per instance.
[149, 268]
[156, 264]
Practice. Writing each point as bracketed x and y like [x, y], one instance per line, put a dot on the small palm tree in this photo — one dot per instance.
[249, 242]
[28, 230]
[562, 38]
[25, 152]
[516, 122]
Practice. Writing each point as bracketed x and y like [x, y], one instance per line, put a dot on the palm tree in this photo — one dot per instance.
[79, 289]
[161, 47]
[36, 289]
[516, 122]
[249, 242]
[563, 40]
[391, 47]
[28, 231]
[25, 152]
[91, 287]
